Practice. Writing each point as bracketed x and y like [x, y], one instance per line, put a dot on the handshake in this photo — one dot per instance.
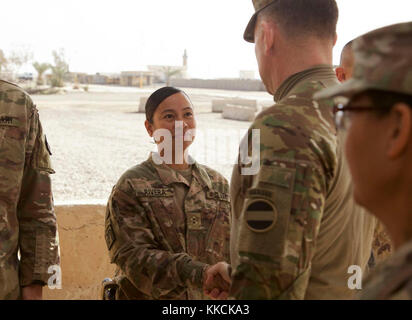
[217, 281]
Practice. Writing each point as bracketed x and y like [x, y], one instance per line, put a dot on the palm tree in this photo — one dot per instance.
[59, 69]
[41, 69]
[169, 72]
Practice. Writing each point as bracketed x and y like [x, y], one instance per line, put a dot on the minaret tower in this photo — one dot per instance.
[184, 71]
[185, 59]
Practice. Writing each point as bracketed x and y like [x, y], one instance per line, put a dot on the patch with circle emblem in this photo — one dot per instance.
[260, 215]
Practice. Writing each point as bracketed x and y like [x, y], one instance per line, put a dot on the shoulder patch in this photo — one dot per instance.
[253, 193]
[260, 215]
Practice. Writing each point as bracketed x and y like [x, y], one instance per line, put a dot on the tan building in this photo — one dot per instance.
[136, 78]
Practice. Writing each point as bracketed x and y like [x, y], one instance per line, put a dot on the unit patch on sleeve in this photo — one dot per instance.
[260, 215]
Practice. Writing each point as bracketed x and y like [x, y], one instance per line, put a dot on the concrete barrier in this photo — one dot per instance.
[240, 113]
[244, 103]
[219, 104]
[142, 104]
[84, 256]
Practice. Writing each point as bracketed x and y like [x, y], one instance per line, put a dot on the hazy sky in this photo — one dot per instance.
[119, 35]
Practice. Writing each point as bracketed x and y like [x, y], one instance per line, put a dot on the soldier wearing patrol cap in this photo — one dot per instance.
[382, 246]
[295, 227]
[167, 223]
[374, 108]
[27, 218]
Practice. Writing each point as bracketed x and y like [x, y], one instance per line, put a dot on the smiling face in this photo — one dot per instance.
[174, 112]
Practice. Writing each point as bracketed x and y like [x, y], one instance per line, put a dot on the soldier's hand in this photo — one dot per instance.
[217, 281]
[32, 292]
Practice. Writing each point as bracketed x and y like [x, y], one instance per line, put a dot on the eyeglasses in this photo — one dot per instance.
[342, 114]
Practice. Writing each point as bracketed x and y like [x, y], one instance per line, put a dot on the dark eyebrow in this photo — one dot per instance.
[168, 110]
[171, 110]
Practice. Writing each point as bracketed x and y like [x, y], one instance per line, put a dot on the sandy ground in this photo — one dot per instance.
[95, 136]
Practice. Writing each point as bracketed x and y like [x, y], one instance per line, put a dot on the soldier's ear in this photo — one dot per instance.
[267, 36]
[149, 128]
[400, 133]
[340, 74]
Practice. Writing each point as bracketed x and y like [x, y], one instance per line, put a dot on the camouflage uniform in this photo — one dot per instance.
[295, 227]
[383, 61]
[162, 248]
[27, 219]
[392, 279]
[382, 246]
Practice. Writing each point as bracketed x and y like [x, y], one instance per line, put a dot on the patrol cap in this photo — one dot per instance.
[259, 5]
[383, 61]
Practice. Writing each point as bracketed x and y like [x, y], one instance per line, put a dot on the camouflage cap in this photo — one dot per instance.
[383, 61]
[259, 5]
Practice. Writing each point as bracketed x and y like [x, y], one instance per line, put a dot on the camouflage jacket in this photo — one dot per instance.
[27, 219]
[161, 250]
[382, 246]
[391, 280]
[295, 227]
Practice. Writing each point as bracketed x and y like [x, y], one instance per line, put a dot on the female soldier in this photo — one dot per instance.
[167, 220]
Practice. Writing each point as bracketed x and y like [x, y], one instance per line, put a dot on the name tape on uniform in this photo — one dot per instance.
[156, 192]
[8, 121]
[217, 195]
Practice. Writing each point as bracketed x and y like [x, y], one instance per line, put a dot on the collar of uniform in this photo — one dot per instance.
[319, 71]
[201, 175]
[168, 175]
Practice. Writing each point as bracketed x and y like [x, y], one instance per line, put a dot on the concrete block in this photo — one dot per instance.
[218, 105]
[245, 103]
[241, 113]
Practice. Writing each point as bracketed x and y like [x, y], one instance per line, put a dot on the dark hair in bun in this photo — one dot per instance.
[157, 98]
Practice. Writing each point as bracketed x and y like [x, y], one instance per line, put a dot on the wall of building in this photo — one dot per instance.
[84, 256]
[223, 84]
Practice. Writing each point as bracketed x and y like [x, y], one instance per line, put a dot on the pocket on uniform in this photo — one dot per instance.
[218, 240]
[164, 222]
[12, 146]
